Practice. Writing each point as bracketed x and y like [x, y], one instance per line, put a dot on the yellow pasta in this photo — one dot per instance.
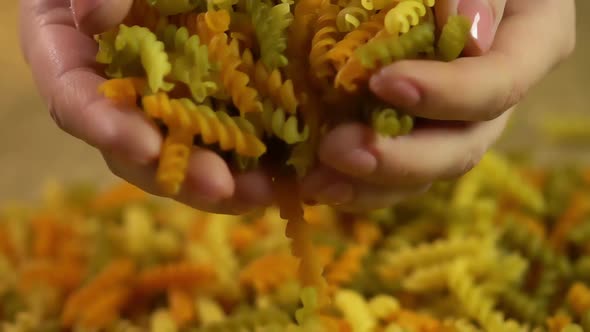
[350, 18]
[174, 161]
[404, 16]
[271, 84]
[213, 127]
[138, 49]
[225, 52]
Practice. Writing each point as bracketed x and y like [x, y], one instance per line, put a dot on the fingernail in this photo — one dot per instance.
[484, 25]
[82, 8]
[399, 92]
[360, 161]
[336, 194]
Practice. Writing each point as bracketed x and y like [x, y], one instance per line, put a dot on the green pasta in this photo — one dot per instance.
[383, 51]
[270, 24]
[138, 50]
[453, 37]
[388, 122]
[191, 64]
[278, 123]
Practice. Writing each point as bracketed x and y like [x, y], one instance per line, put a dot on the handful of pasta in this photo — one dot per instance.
[262, 80]
[257, 81]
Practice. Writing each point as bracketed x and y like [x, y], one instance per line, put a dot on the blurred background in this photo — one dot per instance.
[33, 150]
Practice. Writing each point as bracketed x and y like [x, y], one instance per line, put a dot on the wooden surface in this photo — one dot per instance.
[33, 149]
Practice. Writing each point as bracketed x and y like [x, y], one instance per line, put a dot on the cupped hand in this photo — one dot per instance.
[514, 43]
[57, 42]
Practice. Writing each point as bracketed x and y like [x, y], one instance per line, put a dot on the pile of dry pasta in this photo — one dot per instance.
[504, 248]
[257, 81]
[260, 81]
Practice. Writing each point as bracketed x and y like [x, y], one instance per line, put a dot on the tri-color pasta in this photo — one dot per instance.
[261, 82]
[289, 68]
[118, 260]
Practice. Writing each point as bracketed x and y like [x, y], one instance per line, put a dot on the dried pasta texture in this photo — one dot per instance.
[284, 71]
[404, 16]
[211, 126]
[137, 50]
[388, 122]
[119, 260]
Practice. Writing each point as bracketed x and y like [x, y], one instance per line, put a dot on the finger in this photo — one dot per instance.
[440, 151]
[208, 186]
[95, 16]
[526, 47]
[327, 186]
[485, 15]
[63, 66]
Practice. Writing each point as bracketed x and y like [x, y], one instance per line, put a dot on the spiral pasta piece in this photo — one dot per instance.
[350, 18]
[115, 274]
[270, 24]
[475, 303]
[137, 49]
[324, 39]
[256, 274]
[454, 37]
[382, 52]
[518, 236]
[191, 66]
[388, 122]
[213, 127]
[504, 178]
[386, 50]
[174, 160]
[205, 25]
[124, 90]
[103, 310]
[344, 269]
[344, 49]
[235, 82]
[271, 84]
[282, 125]
[184, 274]
[403, 16]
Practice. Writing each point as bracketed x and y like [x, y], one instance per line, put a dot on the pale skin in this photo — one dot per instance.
[516, 43]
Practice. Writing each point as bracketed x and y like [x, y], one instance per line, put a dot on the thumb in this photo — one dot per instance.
[484, 14]
[96, 16]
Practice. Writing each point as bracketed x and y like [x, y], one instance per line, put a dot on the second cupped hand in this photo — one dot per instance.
[514, 44]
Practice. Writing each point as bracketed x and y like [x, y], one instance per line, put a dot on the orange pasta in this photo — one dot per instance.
[578, 208]
[182, 274]
[181, 306]
[117, 196]
[268, 272]
[344, 269]
[578, 297]
[124, 91]
[104, 307]
[118, 272]
[63, 276]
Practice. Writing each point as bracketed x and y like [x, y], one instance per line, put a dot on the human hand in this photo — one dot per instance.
[57, 44]
[514, 44]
